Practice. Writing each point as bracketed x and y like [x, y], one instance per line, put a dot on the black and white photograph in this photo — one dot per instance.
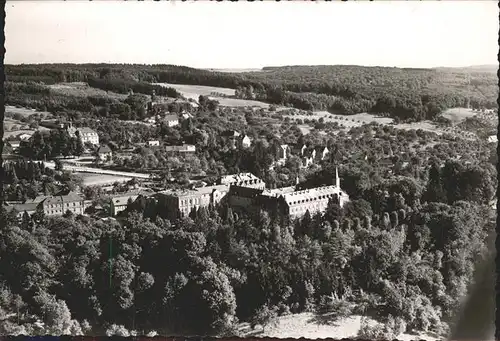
[253, 169]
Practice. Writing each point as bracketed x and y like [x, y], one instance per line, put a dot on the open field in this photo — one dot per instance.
[457, 115]
[305, 325]
[365, 118]
[79, 89]
[26, 112]
[103, 179]
[194, 92]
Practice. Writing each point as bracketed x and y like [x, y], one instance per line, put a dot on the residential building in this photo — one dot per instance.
[182, 149]
[243, 180]
[153, 143]
[282, 152]
[182, 202]
[321, 153]
[58, 205]
[85, 134]
[491, 139]
[104, 154]
[171, 120]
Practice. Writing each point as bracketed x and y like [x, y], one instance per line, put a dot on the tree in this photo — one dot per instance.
[265, 317]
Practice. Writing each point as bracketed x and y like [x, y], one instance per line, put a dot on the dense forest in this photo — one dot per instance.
[408, 94]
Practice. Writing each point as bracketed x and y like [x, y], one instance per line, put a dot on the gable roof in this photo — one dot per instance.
[171, 118]
[104, 150]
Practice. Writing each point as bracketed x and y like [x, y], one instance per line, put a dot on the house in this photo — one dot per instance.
[321, 153]
[151, 120]
[243, 180]
[58, 205]
[153, 143]
[104, 154]
[181, 202]
[491, 139]
[282, 152]
[299, 149]
[85, 134]
[182, 149]
[171, 120]
[245, 142]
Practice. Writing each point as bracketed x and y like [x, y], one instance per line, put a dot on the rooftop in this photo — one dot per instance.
[312, 193]
[171, 118]
[197, 191]
[238, 177]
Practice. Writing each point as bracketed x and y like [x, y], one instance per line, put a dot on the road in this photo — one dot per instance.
[80, 169]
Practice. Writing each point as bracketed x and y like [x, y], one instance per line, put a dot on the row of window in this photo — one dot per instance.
[321, 197]
[303, 209]
[57, 205]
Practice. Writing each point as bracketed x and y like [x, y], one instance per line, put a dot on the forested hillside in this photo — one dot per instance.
[408, 94]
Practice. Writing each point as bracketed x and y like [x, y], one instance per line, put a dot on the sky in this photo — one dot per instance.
[207, 34]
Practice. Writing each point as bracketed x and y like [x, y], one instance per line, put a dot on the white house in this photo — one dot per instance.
[153, 143]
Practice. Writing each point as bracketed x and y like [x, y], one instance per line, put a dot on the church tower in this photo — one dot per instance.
[337, 179]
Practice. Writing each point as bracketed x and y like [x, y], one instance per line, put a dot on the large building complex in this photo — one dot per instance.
[287, 200]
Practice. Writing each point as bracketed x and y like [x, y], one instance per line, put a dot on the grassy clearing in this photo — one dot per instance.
[458, 115]
[101, 179]
[194, 92]
[306, 325]
[79, 89]
[364, 118]
[25, 111]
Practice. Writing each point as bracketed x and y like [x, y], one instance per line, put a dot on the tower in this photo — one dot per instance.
[337, 179]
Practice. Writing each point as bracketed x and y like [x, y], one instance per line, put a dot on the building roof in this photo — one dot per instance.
[28, 207]
[86, 130]
[312, 194]
[278, 191]
[230, 133]
[171, 118]
[198, 191]
[246, 192]
[182, 148]
[71, 197]
[227, 179]
[104, 150]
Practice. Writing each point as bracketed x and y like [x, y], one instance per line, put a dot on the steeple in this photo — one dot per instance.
[337, 179]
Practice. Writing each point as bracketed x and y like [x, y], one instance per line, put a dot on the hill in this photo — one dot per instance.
[405, 94]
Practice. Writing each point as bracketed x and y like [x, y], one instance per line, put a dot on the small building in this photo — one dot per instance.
[153, 143]
[182, 149]
[491, 139]
[321, 153]
[24, 136]
[245, 142]
[171, 120]
[230, 133]
[28, 207]
[104, 154]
